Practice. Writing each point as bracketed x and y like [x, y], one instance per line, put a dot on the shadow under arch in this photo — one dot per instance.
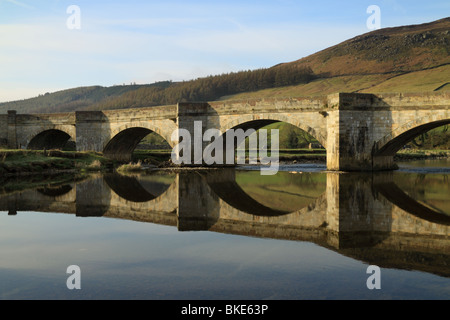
[396, 142]
[131, 189]
[122, 145]
[250, 126]
[56, 191]
[49, 139]
[253, 122]
[398, 197]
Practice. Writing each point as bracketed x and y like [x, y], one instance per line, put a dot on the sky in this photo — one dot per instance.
[52, 45]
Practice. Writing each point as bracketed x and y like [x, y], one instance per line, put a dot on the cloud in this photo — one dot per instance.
[115, 51]
[20, 4]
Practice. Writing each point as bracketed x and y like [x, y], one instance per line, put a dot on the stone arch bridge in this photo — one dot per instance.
[360, 132]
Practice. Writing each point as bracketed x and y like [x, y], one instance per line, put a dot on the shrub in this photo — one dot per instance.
[130, 167]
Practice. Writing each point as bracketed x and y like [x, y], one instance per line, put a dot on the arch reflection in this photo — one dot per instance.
[402, 200]
[365, 216]
[138, 188]
[55, 191]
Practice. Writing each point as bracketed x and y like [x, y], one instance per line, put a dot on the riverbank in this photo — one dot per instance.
[411, 154]
[29, 162]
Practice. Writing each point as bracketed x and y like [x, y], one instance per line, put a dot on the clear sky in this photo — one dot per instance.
[147, 41]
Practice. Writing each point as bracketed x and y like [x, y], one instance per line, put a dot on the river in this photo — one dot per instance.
[301, 234]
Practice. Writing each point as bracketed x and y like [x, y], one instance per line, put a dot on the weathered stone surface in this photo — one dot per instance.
[361, 132]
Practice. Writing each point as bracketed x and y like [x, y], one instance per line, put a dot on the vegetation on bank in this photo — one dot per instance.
[28, 162]
[23, 162]
[32, 162]
[415, 154]
[130, 167]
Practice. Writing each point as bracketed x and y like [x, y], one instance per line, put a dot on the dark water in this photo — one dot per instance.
[231, 234]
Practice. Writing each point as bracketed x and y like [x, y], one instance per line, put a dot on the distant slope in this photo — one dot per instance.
[390, 50]
[429, 80]
[73, 99]
[402, 59]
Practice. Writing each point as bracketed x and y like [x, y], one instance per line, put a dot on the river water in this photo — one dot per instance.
[231, 234]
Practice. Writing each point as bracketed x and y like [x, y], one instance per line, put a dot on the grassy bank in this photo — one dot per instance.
[152, 157]
[415, 154]
[25, 162]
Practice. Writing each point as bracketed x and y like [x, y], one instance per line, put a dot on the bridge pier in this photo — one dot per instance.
[93, 197]
[12, 131]
[198, 207]
[354, 123]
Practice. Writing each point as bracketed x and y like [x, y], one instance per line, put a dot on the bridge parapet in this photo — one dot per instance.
[270, 105]
[160, 112]
[360, 131]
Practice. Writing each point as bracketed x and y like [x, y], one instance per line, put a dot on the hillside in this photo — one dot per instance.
[390, 50]
[73, 99]
[412, 58]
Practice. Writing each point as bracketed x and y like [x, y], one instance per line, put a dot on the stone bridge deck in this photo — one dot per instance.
[361, 132]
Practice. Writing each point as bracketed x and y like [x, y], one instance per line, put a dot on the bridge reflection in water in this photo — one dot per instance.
[363, 216]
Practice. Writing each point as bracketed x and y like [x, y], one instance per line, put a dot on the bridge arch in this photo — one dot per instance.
[50, 138]
[124, 139]
[390, 144]
[258, 121]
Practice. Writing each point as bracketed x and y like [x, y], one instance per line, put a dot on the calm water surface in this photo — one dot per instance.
[231, 234]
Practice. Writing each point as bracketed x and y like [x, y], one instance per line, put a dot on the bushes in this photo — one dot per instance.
[130, 167]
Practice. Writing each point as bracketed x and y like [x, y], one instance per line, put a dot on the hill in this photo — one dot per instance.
[73, 99]
[403, 59]
[412, 58]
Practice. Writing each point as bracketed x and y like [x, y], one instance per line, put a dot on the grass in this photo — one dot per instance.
[152, 157]
[26, 162]
[16, 162]
[316, 88]
[414, 154]
[420, 81]
[130, 167]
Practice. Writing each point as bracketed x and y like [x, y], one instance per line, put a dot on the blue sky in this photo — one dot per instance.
[146, 41]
